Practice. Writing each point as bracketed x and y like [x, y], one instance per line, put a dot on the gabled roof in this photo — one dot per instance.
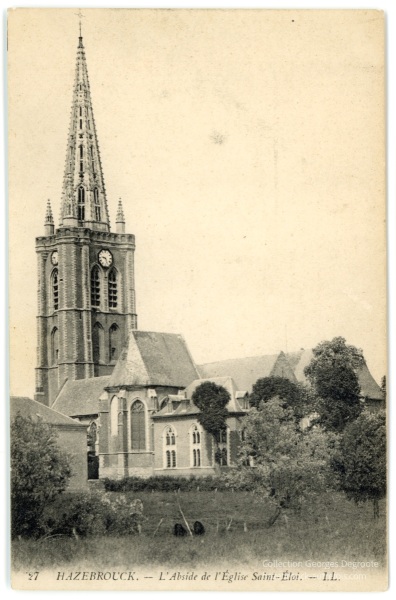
[154, 359]
[368, 386]
[246, 371]
[81, 397]
[31, 408]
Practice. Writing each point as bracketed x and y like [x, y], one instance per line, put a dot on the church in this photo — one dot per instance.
[131, 389]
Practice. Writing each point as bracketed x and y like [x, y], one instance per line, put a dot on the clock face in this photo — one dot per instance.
[105, 258]
[54, 257]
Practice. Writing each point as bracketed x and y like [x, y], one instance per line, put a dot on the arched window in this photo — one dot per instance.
[169, 448]
[113, 289]
[92, 436]
[98, 344]
[55, 289]
[138, 426]
[114, 416]
[195, 446]
[81, 203]
[114, 342]
[95, 287]
[54, 346]
[97, 204]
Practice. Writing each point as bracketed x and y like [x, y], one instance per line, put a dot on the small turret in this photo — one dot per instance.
[120, 219]
[49, 227]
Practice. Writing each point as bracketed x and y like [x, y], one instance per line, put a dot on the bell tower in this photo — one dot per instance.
[86, 282]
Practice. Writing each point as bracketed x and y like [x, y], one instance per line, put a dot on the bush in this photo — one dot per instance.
[166, 484]
[39, 473]
[87, 514]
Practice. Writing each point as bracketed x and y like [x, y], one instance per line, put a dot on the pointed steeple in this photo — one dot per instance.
[84, 202]
[120, 219]
[49, 220]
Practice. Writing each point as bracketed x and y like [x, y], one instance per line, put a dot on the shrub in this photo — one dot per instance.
[39, 473]
[166, 484]
[87, 514]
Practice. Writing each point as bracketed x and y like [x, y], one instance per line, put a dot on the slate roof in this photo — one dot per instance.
[184, 406]
[246, 371]
[28, 407]
[368, 386]
[81, 397]
[154, 359]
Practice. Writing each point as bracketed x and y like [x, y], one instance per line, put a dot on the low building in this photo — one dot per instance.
[71, 436]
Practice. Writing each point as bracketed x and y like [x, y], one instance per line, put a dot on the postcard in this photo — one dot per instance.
[197, 274]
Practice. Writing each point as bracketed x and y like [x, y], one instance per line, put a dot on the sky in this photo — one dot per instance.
[248, 149]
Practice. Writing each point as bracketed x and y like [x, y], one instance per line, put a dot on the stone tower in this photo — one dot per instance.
[86, 288]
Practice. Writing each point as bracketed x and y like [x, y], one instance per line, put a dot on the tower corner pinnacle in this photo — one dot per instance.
[120, 219]
[49, 227]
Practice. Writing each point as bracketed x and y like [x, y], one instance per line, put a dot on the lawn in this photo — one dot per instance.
[236, 534]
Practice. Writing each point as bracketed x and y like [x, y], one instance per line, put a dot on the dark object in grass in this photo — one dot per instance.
[179, 530]
[198, 528]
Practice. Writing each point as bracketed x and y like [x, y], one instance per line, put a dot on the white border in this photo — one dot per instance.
[389, 6]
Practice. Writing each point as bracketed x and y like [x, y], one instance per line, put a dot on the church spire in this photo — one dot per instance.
[84, 202]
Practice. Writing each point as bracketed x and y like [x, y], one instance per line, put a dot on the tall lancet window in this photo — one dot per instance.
[55, 289]
[98, 343]
[114, 342]
[113, 302]
[138, 426]
[95, 287]
[81, 203]
[54, 346]
[97, 204]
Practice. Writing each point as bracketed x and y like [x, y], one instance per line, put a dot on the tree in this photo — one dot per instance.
[212, 399]
[290, 465]
[332, 373]
[268, 387]
[39, 473]
[360, 463]
[383, 387]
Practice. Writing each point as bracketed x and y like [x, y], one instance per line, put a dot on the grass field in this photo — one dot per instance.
[331, 528]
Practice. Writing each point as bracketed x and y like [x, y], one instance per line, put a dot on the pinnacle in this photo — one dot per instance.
[49, 219]
[120, 213]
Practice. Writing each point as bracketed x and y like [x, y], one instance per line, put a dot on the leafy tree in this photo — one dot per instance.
[383, 387]
[39, 473]
[212, 399]
[268, 387]
[332, 373]
[360, 462]
[290, 465]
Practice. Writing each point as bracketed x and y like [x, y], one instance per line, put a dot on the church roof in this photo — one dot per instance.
[154, 359]
[81, 397]
[246, 371]
[31, 408]
[179, 406]
[368, 386]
